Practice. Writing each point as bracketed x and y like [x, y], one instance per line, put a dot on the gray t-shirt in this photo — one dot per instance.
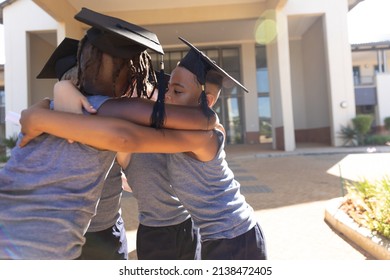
[158, 205]
[211, 195]
[48, 194]
[108, 208]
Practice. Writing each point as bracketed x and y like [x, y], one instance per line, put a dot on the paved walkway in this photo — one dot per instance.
[289, 192]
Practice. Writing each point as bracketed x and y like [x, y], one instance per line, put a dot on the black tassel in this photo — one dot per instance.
[207, 111]
[158, 114]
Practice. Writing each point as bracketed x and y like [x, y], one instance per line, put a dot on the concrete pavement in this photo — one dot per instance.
[289, 192]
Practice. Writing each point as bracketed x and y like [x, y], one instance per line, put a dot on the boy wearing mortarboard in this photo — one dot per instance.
[202, 179]
[105, 238]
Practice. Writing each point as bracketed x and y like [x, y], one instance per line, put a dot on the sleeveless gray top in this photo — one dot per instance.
[211, 195]
[158, 205]
[109, 206]
[48, 194]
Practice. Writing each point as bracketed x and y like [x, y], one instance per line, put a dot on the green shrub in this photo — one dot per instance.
[349, 135]
[387, 123]
[362, 124]
[10, 142]
[377, 139]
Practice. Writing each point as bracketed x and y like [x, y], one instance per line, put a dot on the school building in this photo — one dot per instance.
[294, 56]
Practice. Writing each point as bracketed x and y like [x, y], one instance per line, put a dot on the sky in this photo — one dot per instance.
[368, 21]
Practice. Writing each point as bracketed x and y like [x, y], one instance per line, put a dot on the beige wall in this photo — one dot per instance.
[40, 51]
[336, 58]
[17, 69]
[383, 95]
[297, 84]
[315, 77]
[366, 60]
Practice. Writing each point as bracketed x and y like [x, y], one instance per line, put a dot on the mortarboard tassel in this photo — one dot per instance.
[158, 114]
[207, 111]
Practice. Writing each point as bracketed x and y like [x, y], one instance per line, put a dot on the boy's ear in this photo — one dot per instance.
[210, 100]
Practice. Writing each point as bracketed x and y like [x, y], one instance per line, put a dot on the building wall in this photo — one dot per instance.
[40, 51]
[383, 96]
[18, 69]
[233, 24]
[297, 84]
[337, 63]
[366, 61]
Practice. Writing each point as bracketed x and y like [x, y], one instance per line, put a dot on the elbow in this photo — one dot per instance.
[124, 141]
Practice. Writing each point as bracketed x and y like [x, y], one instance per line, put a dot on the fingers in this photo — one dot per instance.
[87, 106]
[24, 141]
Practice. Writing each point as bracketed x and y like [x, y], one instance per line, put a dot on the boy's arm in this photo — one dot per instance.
[139, 111]
[32, 132]
[111, 133]
[136, 110]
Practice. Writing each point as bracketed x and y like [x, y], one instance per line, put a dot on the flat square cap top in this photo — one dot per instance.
[62, 59]
[199, 64]
[116, 36]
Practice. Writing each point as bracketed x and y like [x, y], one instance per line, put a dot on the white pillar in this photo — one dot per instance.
[248, 54]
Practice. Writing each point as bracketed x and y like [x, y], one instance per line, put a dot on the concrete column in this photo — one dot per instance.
[248, 55]
[383, 97]
[280, 86]
[339, 60]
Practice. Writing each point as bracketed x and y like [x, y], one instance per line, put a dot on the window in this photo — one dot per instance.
[263, 98]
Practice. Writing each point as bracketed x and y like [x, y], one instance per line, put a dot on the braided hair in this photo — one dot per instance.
[90, 59]
[142, 74]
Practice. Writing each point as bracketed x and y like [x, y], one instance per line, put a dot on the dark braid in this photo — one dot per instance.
[80, 73]
[140, 65]
[88, 57]
[119, 63]
[141, 72]
[207, 111]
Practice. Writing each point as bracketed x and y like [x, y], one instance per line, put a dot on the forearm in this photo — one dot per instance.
[139, 111]
[91, 130]
[115, 134]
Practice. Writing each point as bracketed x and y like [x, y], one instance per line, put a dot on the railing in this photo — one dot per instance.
[364, 80]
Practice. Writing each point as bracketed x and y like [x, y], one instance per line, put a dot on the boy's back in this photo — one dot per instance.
[46, 187]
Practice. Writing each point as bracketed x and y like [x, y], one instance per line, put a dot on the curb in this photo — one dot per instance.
[375, 245]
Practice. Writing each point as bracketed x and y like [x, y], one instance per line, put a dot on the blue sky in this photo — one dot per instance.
[368, 21]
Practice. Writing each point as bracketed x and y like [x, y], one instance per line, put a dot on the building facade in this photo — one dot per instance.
[293, 55]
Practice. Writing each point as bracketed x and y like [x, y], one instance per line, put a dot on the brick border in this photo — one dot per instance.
[375, 245]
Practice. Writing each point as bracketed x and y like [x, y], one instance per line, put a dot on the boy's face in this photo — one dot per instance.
[183, 88]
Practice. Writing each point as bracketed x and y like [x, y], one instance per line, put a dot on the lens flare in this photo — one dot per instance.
[266, 28]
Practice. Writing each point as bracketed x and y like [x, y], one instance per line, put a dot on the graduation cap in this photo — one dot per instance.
[62, 59]
[117, 37]
[199, 64]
